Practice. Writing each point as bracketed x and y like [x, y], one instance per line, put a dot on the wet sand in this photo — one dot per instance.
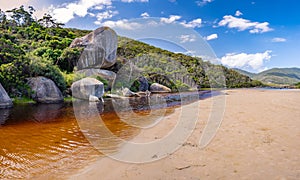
[259, 138]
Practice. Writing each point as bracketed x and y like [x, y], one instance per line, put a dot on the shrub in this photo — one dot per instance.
[13, 76]
[42, 67]
[69, 58]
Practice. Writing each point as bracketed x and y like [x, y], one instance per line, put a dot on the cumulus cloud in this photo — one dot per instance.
[145, 15]
[278, 39]
[243, 60]
[174, 18]
[211, 37]
[203, 2]
[67, 12]
[122, 24]
[80, 8]
[192, 24]
[171, 19]
[130, 1]
[105, 15]
[187, 38]
[243, 24]
[238, 13]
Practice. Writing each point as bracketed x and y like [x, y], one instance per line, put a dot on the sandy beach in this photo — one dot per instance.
[258, 139]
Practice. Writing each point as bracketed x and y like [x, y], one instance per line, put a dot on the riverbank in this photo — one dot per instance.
[258, 138]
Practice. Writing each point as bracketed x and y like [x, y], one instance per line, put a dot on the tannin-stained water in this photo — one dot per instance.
[45, 141]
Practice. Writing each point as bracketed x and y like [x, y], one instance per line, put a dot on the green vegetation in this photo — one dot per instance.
[161, 61]
[276, 76]
[30, 48]
[23, 100]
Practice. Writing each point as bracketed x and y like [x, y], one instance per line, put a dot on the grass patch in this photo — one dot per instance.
[23, 100]
[68, 99]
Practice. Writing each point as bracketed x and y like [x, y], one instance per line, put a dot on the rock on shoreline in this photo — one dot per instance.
[5, 101]
[45, 90]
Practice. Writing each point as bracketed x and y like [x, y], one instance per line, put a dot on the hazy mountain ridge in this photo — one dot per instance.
[280, 76]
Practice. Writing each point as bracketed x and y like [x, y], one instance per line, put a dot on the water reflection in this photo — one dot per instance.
[40, 113]
[128, 116]
[4, 113]
[46, 140]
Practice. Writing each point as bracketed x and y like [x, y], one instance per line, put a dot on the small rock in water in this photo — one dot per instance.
[93, 98]
[127, 93]
[86, 87]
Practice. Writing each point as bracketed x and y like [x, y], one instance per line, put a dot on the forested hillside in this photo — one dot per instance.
[202, 72]
[32, 47]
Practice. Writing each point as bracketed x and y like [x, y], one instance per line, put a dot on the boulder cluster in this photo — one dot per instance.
[99, 54]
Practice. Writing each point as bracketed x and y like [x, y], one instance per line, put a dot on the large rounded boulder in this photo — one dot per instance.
[158, 88]
[44, 90]
[87, 89]
[100, 49]
[5, 101]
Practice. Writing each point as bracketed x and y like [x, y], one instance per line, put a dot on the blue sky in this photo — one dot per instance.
[253, 35]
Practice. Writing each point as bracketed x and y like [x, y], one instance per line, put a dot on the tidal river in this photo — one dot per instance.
[46, 141]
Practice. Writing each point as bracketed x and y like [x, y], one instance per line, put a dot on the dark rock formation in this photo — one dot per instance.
[144, 85]
[5, 101]
[44, 90]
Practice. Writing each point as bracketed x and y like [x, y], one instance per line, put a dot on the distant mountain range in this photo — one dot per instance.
[280, 76]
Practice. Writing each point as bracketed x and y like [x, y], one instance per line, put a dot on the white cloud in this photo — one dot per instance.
[130, 1]
[211, 37]
[187, 38]
[192, 24]
[105, 15]
[62, 15]
[145, 15]
[203, 2]
[278, 39]
[244, 24]
[171, 19]
[39, 13]
[122, 24]
[67, 12]
[243, 60]
[238, 13]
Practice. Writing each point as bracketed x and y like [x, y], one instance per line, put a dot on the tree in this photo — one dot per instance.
[21, 17]
[49, 22]
[69, 58]
[3, 19]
